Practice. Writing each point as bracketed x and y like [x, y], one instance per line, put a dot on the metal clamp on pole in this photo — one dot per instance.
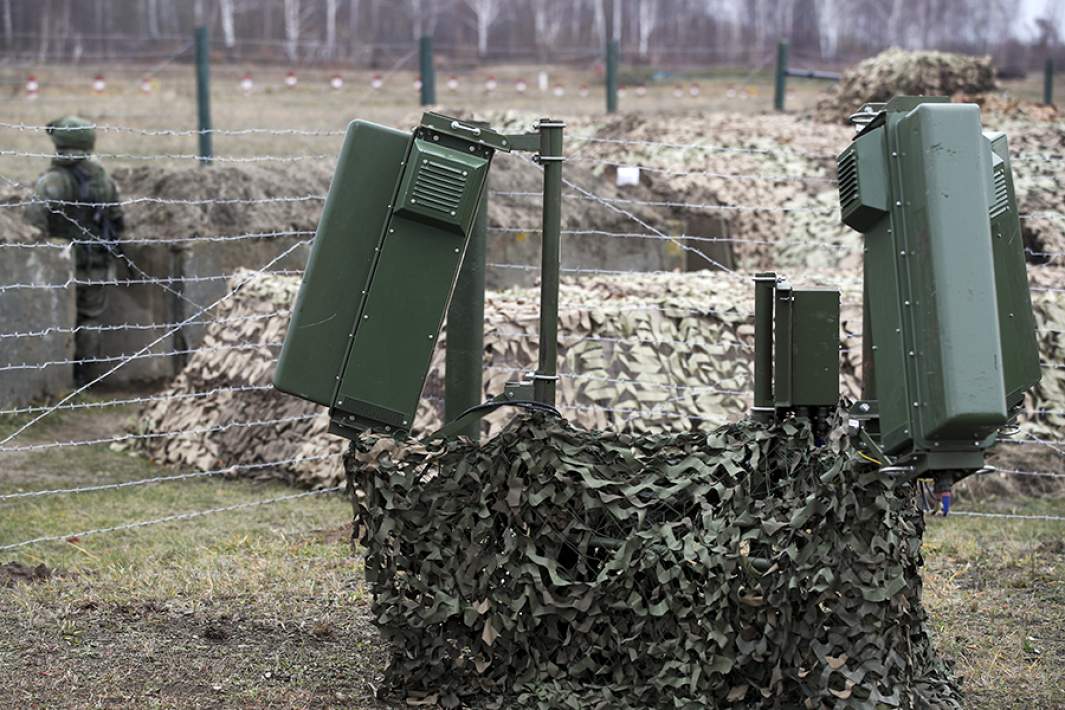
[545, 380]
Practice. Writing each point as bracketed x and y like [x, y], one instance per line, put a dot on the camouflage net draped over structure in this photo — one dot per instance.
[639, 353]
[897, 72]
[564, 568]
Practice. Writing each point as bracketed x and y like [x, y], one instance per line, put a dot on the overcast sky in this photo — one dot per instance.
[1029, 10]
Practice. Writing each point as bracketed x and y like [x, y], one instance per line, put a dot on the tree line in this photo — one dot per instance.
[370, 32]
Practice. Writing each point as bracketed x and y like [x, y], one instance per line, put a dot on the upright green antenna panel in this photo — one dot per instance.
[953, 347]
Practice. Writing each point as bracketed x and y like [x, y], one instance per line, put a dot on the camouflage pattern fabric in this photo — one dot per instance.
[74, 177]
[554, 567]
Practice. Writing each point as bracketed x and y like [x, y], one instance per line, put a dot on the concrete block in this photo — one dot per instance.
[31, 310]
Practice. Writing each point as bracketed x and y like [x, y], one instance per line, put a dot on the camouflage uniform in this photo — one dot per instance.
[75, 177]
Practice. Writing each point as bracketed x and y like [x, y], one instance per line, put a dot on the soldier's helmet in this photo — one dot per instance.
[74, 137]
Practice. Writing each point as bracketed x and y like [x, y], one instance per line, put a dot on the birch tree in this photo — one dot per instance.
[331, 28]
[229, 38]
[486, 13]
[647, 21]
[292, 29]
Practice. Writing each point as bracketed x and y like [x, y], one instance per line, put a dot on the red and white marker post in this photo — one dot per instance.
[376, 82]
[490, 84]
[98, 84]
[146, 84]
[32, 87]
[291, 80]
[246, 84]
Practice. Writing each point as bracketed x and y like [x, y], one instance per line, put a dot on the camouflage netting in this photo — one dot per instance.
[648, 353]
[556, 567]
[898, 72]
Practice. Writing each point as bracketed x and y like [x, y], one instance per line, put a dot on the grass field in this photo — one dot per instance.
[313, 106]
[267, 607]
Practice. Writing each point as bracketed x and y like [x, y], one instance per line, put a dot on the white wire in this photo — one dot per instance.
[170, 518]
[163, 240]
[14, 367]
[169, 201]
[173, 132]
[708, 173]
[174, 156]
[141, 400]
[74, 281]
[229, 294]
[854, 246]
[235, 468]
[1008, 516]
[156, 435]
[63, 330]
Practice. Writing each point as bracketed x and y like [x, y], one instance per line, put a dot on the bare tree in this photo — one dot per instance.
[9, 27]
[486, 12]
[647, 21]
[292, 29]
[228, 33]
[549, 17]
[331, 28]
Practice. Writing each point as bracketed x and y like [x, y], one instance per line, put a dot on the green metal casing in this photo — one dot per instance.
[1016, 319]
[806, 335]
[384, 262]
[918, 182]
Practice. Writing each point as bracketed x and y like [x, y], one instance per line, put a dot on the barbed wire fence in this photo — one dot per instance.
[18, 440]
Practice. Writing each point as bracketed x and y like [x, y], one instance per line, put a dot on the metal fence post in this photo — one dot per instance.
[203, 95]
[464, 360]
[1048, 82]
[545, 380]
[428, 73]
[780, 84]
[612, 49]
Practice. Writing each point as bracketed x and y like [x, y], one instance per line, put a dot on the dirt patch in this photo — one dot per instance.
[12, 573]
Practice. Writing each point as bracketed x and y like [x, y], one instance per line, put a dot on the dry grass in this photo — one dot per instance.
[314, 106]
[267, 607]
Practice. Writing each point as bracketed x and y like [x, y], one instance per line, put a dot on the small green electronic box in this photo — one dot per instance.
[384, 262]
[950, 346]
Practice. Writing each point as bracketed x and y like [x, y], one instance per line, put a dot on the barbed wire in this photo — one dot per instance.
[119, 438]
[15, 367]
[170, 518]
[854, 246]
[180, 132]
[1008, 516]
[232, 469]
[151, 399]
[170, 201]
[146, 348]
[147, 157]
[119, 255]
[164, 240]
[706, 173]
[75, 281]
[65, 330]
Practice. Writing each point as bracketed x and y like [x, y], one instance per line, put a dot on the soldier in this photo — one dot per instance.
[68, 205]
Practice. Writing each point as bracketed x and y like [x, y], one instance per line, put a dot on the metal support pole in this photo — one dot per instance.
[780, 85]
[203, 95]
[1048, 82]
[464, 360]
[546, 378]
[612, 50]
[764, 285]
[868, 362]
[428, 73]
